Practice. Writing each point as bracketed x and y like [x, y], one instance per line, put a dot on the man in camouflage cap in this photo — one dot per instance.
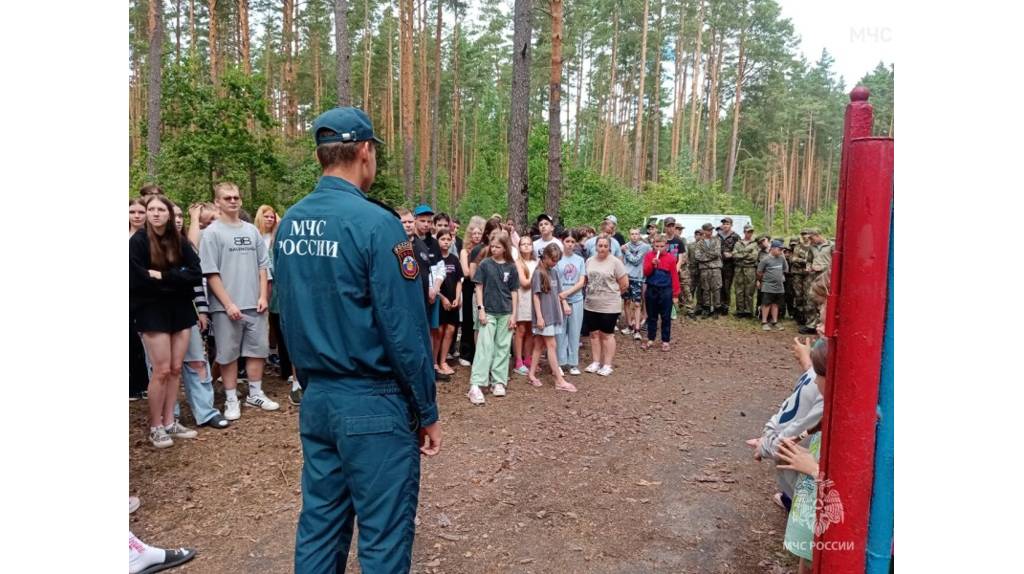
[819, 263]
[745, 256]
[709, 261]
[728, 238]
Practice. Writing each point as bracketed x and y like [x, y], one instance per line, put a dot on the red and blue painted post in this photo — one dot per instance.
[855, 324]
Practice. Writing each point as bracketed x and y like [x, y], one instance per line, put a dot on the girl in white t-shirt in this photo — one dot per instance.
[523, 342]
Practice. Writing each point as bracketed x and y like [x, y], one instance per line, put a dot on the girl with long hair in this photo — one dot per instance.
[549, 313]
[523, 344]
[163, 272]
[474, 237]
[136, 215]
[451, 300]
[497, 290]
[266, 222]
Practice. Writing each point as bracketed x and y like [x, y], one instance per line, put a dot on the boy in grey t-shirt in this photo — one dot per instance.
[235, 263]
[771, 278]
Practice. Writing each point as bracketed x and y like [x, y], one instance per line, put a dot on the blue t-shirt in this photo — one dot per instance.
[569, 268]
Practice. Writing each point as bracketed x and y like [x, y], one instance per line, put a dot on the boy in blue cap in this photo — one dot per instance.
[351, 315]
[771, 277]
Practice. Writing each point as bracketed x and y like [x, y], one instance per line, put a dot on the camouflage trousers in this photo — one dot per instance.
[799, 297]
[812, 311]
[744, 284]
[684, 289]
[711, 288]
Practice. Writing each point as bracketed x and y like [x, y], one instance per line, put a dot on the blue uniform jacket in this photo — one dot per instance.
[349, 294]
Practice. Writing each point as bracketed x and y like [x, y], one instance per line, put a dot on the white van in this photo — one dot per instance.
[692, 222]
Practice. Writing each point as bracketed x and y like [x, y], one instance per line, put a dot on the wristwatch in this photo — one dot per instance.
[480, 307]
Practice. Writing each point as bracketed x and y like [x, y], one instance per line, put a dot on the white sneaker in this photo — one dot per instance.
[499, 390]
[178, 430]
[605, 371]
[262, 401]
[574, 371]
[133, 504]
[232, 410]
[476, 396]
[593, 367]
[159, 438]
[465, 363]
[627, 331]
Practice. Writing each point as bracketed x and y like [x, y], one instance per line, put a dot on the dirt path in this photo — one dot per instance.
[643, 471]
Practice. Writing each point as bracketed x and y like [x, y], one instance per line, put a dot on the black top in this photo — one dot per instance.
[175, 283]
[425, 260]
[452, 274]
[618, 237]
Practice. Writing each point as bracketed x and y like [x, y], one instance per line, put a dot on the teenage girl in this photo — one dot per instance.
[138, 375]
[136, 216]
[266, 221]
[497, 289]
[474, 235]
[163, 272]
[451, 299]
[549, 312]
[526, 265]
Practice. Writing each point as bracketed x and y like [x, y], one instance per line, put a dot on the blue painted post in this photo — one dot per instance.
[880, 527]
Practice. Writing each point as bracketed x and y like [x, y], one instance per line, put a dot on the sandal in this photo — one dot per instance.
[535, 382]
[172, 557]
[217, 421]
[664, 347]
[565, 386]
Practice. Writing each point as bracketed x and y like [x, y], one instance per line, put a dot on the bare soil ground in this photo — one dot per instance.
[643, 471]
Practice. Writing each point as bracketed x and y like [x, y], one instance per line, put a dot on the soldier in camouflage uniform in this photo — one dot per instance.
[693, 271]
[819, 263]
[745, 255]
[709, 261]
[798, 268]
[728, 238]
[790, 306]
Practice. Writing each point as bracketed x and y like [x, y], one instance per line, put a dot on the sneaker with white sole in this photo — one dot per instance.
[627, 331]
[637, 336]
[178, 430]
[133, 504]
[574, 371]
[593, 367]
[476, 396]
[605, 371]
[499, 390]
[295, 396]
[523, 370]
[465, 363]
[159, 438]
[232, 410]
[262, 401]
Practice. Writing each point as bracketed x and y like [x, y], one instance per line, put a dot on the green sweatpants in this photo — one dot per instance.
[492, 351]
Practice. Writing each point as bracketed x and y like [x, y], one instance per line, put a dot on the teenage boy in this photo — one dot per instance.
[547, 235]
[771, 276]
[235, 261]
[676, 245]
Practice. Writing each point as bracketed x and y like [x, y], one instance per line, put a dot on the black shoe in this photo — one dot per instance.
[172, 557]
[808, 331]
[217, 422]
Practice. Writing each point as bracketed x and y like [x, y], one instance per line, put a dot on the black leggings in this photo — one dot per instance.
[282, 349]
[467, 347]
[138, 374]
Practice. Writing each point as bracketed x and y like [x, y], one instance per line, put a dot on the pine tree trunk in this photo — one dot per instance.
[552, 205]
[638, 146]
[214, 60]
[406, 95]
[154, 91]
[389, 110]
[656, 103]
[192, 28]
[613, 106]
[698, 50]
[288, 74]
[177, 31]
[342, 54]
[730, 169]
[519, 120]
[318, 83]
[243, 35]
[424, 98]
[367, 57]
[711, 158]
[679, 88]
[435, 107]
[579, 100]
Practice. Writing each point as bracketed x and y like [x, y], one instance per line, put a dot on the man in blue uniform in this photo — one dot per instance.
[347, 281]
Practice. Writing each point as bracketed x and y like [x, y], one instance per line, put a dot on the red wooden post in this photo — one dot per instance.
[854, 321]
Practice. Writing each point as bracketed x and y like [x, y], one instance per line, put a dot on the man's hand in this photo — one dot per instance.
[430, 439]
[233, 312]
[204, 322]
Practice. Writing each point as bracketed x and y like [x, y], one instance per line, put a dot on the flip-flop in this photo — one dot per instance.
[567, 387]
[172, 557]
[535, 382]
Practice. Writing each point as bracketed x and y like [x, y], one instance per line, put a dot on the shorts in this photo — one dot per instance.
[549, 330]
[195, 351]
[634, 293]
[773, 299]
[434, 314]
[603, 322]
[169, 316]
[248, 336]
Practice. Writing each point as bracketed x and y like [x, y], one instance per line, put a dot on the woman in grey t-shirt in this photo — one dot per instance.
[607, 280]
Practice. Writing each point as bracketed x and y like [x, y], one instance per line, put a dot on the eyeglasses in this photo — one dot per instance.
[232, 198]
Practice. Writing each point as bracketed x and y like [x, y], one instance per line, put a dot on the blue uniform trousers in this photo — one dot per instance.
[361, 462]
[659, 303]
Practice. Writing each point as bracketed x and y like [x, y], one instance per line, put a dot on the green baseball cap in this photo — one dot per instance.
[348, 125]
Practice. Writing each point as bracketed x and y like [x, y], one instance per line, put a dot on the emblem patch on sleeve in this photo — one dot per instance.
[407, 263]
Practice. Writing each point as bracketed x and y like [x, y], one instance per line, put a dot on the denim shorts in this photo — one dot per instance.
[634, 293]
